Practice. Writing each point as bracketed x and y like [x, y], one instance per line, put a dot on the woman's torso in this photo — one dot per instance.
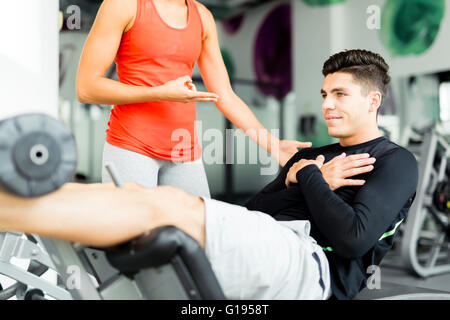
[155, 49]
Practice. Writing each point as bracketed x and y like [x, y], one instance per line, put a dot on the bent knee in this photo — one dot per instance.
[172, 195]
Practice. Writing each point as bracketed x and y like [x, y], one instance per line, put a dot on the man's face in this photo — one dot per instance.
[345, 109]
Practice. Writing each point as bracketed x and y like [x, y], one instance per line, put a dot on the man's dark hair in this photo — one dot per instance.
[368, 69]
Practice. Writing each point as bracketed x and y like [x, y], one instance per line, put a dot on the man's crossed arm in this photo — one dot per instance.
[336, 171]
[353, 228]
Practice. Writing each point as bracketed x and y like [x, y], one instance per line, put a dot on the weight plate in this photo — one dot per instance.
[37, 154]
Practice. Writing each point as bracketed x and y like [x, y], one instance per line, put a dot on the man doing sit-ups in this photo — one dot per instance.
[312, 233]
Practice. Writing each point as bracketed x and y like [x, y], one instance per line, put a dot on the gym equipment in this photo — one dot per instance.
[37, 153]
[164, 263]
[28, 281]
[424, 241]
[425, 245]
[38, 156]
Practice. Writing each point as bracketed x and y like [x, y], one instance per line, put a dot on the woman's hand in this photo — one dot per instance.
[183, 90]
[287, 149]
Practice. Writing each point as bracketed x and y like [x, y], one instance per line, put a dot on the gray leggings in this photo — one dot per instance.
[150, 172]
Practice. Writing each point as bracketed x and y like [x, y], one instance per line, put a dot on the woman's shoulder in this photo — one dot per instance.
[205, 15]
[120, 10]
[204, 12]
[127, 6]
[201, 7]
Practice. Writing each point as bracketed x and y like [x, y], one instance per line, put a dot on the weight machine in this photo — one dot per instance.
[38, 155]
[425, 244]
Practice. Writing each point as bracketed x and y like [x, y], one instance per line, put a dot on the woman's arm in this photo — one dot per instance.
[215, 76]
[113, 19]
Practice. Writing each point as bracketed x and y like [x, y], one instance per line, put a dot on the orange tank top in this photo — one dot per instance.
[150, 54]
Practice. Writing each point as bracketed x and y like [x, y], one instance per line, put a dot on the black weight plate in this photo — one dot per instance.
[37, 154]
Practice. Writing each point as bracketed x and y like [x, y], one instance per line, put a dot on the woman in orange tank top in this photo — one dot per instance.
[155, 45]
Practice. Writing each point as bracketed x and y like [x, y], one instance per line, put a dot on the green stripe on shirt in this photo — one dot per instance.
[390, 233]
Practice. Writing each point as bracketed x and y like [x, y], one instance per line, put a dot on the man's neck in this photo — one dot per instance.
[363, 136]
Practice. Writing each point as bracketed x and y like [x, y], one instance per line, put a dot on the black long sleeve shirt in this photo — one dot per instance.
[355, 225]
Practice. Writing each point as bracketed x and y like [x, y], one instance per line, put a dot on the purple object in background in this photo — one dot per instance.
[232, 25]
[273, 52]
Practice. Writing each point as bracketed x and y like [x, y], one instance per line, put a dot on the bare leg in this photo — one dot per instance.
[102, 215]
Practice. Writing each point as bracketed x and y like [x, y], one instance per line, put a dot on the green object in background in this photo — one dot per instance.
[229, 64]
[432, 108]
[317, 134]
[322, 137]
[322, 2]
[410, 26]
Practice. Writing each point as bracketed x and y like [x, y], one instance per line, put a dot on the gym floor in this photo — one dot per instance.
[397, 281]
[392, 271]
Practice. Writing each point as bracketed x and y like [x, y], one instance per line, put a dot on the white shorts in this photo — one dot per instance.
[256, 257]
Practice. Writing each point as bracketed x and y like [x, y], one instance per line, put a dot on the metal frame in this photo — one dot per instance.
[86, 274]
[428, 178]
[15, 245]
